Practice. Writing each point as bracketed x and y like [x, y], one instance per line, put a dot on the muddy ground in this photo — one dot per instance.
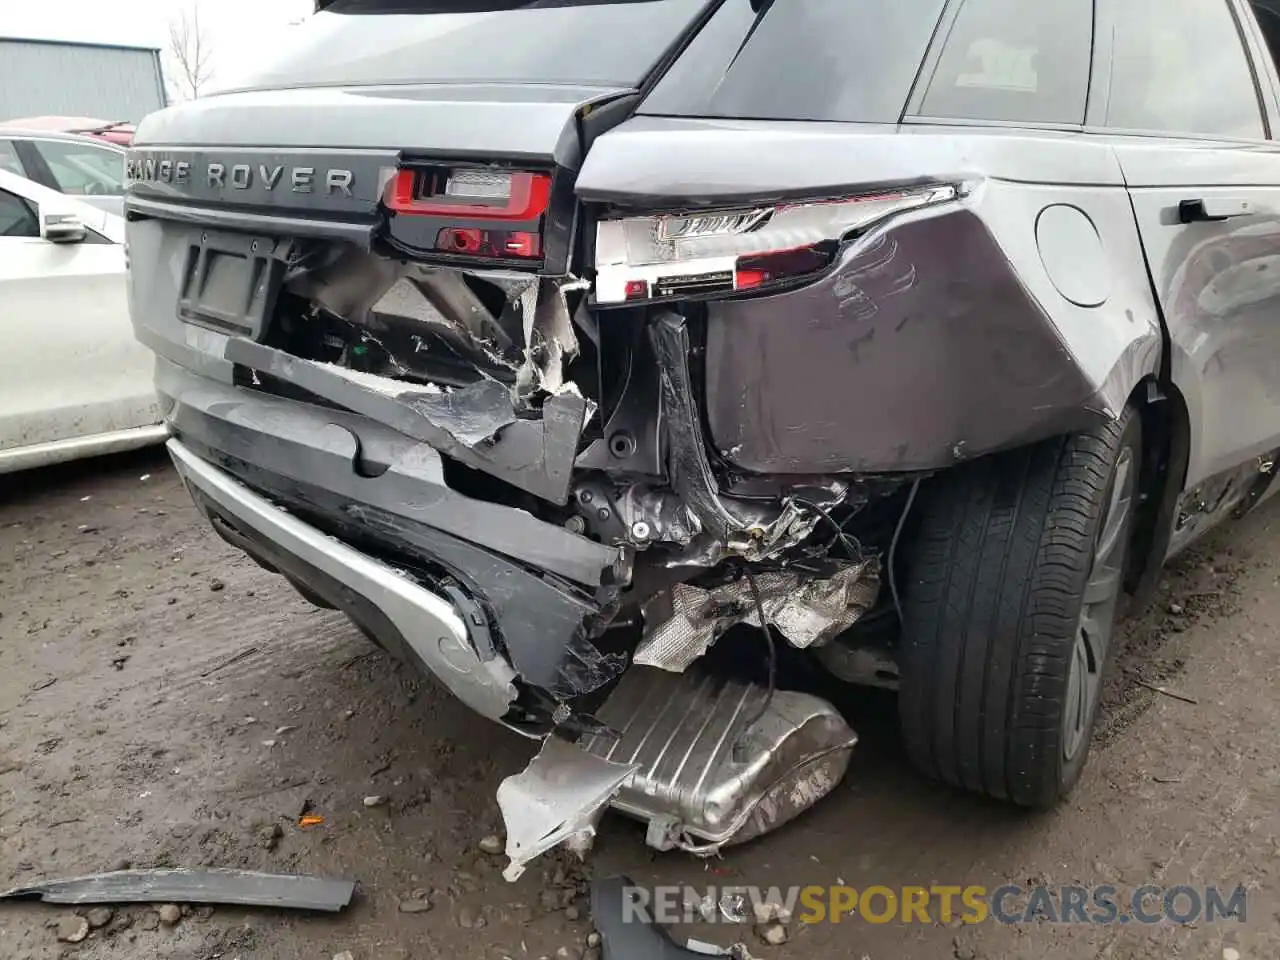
[163, 702]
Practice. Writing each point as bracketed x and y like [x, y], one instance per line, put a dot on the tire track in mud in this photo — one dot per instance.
[1199, 587]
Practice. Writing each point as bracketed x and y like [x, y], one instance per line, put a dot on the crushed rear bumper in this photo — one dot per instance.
[501, 606]
[375, 594]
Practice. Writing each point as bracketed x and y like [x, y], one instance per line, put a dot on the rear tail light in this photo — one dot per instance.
[472, 193]
[727, 251]
[470, 241]
[636, 290]
[478, 211]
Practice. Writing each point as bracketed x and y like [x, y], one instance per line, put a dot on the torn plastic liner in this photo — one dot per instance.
[683, 623]
[550, 341]
[558, 798]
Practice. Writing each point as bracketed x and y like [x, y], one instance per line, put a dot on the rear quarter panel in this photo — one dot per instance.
[939, 336]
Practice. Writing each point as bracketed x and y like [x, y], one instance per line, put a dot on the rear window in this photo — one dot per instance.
[1015, 60]
[853, 60]
[590, 42]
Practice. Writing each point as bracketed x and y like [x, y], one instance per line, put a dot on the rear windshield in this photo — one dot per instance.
[591, 42]
[853, 60]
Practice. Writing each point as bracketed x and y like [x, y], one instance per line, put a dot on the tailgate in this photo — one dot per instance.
[423, 125]
[384, 219]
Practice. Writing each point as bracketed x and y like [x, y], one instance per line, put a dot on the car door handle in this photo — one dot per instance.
[1218, 208]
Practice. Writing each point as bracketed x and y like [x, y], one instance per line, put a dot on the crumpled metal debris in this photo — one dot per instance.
[557, 799]
[550, 340]
[682, 623]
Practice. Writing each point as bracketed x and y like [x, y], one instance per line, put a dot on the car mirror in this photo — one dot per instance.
[61, 226]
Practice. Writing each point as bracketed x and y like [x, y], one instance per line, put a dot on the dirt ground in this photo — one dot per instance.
[164, 702]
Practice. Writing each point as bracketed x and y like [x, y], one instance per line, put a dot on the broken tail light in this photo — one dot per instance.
[481, 212]
[736, 250]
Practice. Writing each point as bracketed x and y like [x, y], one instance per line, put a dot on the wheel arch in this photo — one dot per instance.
[1166, 449]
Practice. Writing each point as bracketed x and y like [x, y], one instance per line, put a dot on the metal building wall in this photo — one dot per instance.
[42, 78]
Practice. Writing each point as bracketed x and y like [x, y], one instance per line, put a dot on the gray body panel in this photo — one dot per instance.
[469, 121]
[1219, 286]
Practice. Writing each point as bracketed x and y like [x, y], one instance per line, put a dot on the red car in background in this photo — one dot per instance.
[116, 132]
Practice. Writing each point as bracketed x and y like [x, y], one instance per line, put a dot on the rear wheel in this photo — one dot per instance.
[1014, 579]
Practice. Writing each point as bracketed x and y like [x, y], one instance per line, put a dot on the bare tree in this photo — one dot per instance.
[190, 53]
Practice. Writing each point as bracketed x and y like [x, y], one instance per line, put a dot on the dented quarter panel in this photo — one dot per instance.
[939, 336]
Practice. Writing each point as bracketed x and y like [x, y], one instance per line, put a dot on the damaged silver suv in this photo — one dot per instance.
[604, 357]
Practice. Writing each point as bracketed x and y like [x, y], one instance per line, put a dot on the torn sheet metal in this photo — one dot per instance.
[719, 762]
[230, 887]
[472, 415]
[550, 340]
[558, 798]
[683, 623]
[476, 425]
[749, 530]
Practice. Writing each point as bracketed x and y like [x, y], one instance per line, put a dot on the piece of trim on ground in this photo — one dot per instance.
[627, 933]
[226, 887]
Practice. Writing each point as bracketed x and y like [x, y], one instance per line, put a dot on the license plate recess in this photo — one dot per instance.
[230, 282]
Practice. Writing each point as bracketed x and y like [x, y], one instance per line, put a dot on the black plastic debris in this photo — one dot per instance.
[626, 930]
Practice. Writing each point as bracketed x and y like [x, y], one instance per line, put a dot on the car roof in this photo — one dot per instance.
[23, 133]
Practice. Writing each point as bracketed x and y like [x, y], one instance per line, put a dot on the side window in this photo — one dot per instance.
[83, 169]
[1014, 60]
[1179, 66]
[831, 60]
[17, 217]
[9, 158]
[1267, 13]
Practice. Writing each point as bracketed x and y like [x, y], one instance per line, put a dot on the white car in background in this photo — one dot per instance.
[73, 380]
[86, 168]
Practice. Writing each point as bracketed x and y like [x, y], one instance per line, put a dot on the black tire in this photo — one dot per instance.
[1000, 558]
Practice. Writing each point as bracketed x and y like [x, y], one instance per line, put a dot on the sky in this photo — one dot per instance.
[241, 33]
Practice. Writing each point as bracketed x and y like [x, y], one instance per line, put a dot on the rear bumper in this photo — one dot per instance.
[500, 605]
[373, 593]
